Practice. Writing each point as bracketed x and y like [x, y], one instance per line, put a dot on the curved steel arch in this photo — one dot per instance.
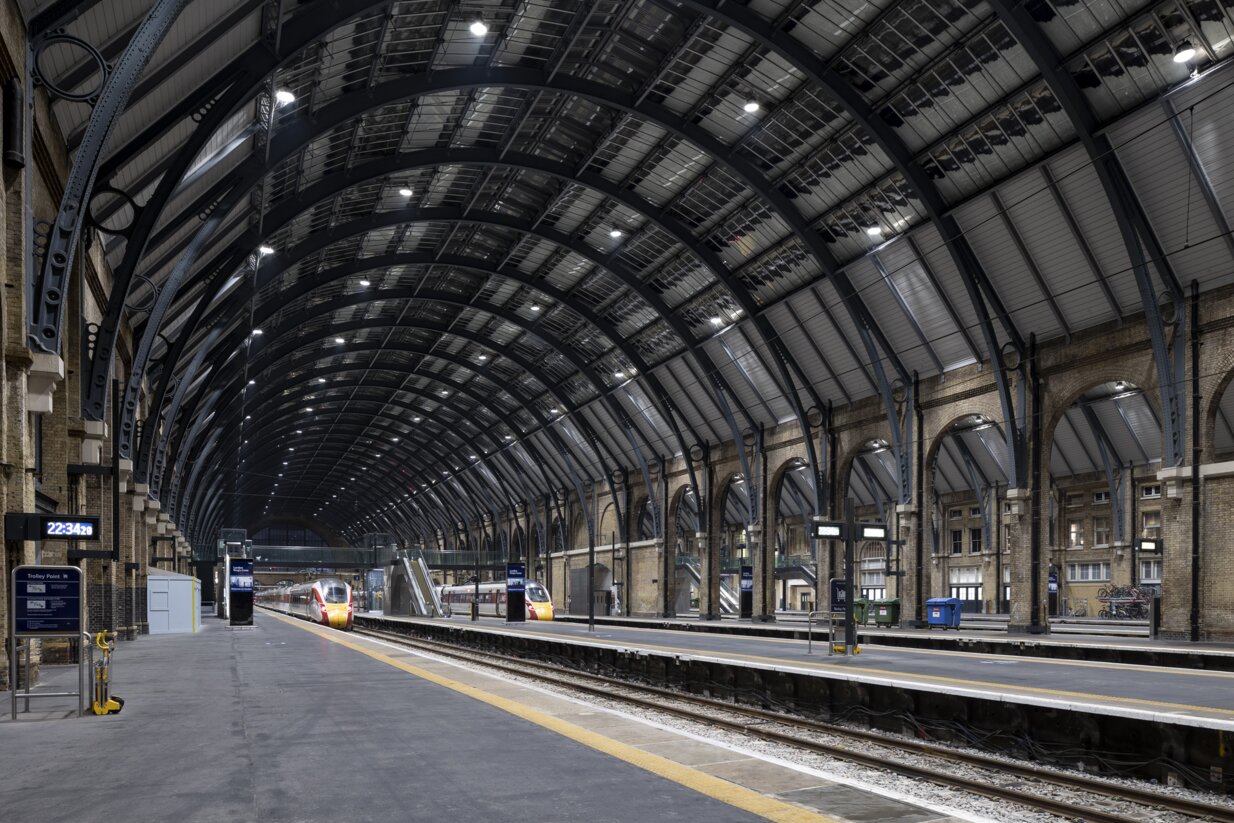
[283, 428]
[242, 79]
[976, 282]
[550, 433]
[353, 105]
[1129, 216]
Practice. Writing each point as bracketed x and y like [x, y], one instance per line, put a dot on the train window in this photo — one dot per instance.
[536, 593]
[334, 592]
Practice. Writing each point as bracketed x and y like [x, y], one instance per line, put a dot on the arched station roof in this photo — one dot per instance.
[489, 262]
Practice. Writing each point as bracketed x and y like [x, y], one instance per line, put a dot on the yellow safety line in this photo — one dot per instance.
[780, 661]
[730, 793]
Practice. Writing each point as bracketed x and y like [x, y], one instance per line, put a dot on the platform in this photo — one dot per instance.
[1181, 695]
[1062, 646]
[286, 721]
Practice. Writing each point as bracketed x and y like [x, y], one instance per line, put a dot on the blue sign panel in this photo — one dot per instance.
[747, 578]
[241, 576]
[516, 577]
[1053, 584]
[838, 600]
[47, 601]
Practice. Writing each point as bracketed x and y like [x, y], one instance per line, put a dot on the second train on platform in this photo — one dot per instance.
[327, 601]
[493, 599]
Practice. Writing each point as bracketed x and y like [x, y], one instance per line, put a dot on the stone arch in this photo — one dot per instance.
[788, 499]
[730, 517]
[872, 560]
[608, 528]
[642, 525]
[1215, 420]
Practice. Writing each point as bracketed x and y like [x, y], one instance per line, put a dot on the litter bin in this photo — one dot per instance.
[887, 612]
[943, 612]
[861, 608]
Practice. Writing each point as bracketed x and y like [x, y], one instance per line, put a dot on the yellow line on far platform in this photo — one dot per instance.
[715, 787]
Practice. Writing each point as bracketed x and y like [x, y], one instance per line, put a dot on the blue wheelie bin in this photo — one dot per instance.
[943, 612]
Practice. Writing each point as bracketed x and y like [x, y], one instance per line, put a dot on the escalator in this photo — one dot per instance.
[729, 604]
[410, 589]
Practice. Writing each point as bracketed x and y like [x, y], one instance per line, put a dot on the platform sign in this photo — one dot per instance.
[1053, 582]
[240, 591]
[747, 591]
[839, 602]
[47, 601]
[516, 588]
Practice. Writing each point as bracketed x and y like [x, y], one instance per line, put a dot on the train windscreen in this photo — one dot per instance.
[536, 593]
[334, 592]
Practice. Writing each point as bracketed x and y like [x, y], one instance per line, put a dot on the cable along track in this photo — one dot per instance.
[751, 721]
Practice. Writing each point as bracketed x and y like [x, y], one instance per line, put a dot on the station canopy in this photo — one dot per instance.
[416, 260]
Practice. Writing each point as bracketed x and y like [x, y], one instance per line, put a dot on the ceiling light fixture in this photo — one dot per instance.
[1184, 53]
[619, 374]
[615, 233]
[1120, 386]
[415, 420]
[478, 27]
[284, 96]
[309, 409]
[874, 231]
[257, 332]
[265, 250]
[365, 283]
[406, 191]
[750, 106]
[252, 382]
[483, 357]
[535, 306]
[339, 341]
[717, 321]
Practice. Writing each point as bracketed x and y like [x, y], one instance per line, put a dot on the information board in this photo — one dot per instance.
[838, 600]
[516, 588]
[66, 527]
[241, 576]
[516, 577]
[47, 601]
[747, 578]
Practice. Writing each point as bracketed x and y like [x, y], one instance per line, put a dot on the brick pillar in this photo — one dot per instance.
[1217, 589]
[904, 586]
[1017, 519]
[1176, 559]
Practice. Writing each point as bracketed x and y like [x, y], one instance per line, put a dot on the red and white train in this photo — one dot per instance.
[327, 601]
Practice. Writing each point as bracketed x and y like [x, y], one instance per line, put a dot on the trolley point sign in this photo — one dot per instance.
[47, 601]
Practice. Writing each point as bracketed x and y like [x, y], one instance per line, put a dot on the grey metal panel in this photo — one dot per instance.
[1006, 268]
[1159, 171]
[926, 304]
[896, 326]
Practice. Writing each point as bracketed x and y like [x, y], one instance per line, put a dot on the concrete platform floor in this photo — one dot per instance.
[286, 722]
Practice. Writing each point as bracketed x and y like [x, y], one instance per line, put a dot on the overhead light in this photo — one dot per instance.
[280, 474]
[473, 457]
[415, 420]
[478, 27]
[339, 341]
[717, 321]
[619, 374]
[284, 462]
[309, 410]
[284, 97]
[509, 437]
[395, 439]
[321, 379]
[406, 192]
[252, 382]
[248, 417]
[265, 250]
[1120, 386]
[535, 306]
[444, 392]
[750, 106]
[365, 283]
[299, 431]
[615, 233]
[552, 410]
[874, 231]
[483, 357]
[256, 332]
[1184, 52]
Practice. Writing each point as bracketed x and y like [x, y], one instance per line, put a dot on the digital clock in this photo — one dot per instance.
[55, 527]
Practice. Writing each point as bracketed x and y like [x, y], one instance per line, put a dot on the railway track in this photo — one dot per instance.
[753, 722]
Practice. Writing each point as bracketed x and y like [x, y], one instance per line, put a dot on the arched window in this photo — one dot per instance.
[873, 567]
